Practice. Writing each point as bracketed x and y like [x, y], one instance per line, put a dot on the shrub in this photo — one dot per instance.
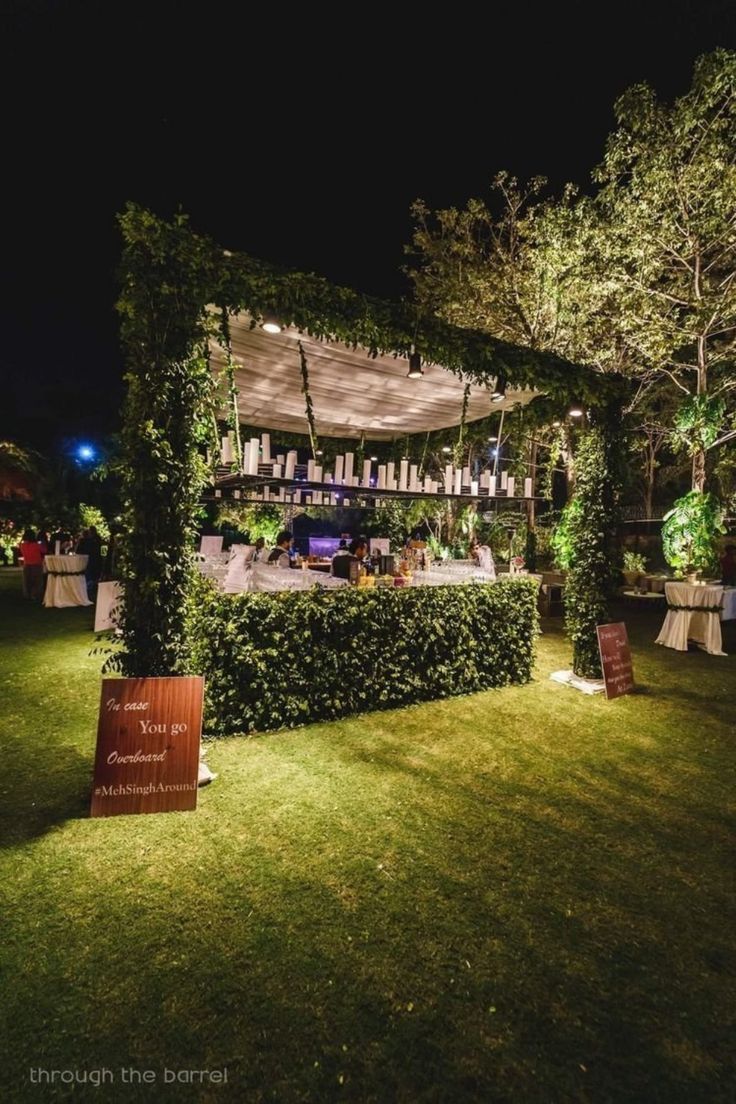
[276, 660]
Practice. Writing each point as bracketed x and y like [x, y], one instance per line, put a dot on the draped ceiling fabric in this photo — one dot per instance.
[351, 391]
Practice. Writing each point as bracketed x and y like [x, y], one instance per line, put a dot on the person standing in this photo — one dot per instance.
[32, 552]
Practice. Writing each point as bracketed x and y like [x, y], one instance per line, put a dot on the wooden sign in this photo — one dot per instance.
[618, 673]
[148, 734]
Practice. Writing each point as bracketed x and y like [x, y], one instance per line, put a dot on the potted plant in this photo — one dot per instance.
[634, 566]
[690, 534]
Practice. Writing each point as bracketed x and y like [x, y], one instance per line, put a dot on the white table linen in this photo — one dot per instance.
[65, 581]
[683, 623]
[729, 604]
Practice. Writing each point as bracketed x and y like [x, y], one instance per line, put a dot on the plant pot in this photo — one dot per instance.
[692, 577]
[631, 578]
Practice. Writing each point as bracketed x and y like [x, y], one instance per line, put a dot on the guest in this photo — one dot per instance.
[728, 566]
[259, 552]
[357, 550]
[32, 553]
[90, 545]
[281, 554]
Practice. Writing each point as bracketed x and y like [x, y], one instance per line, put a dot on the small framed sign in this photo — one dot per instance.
[148, 736]
[618, 672]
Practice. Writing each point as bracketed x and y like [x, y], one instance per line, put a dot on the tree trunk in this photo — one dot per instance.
[698, 478]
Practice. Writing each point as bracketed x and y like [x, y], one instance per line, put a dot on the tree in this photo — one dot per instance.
[668, 207]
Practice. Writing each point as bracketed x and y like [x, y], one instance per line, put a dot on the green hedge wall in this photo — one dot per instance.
[278, 660]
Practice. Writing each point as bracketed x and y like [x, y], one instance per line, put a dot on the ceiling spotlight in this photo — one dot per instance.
[374, 459]
[270, 323]
[576, 411]
[492, 438]
[447, 448]
[415, 365]
[499, 391]
[556, 425]
[318, 452]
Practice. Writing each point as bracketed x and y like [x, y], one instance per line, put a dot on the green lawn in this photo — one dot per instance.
[523, 895]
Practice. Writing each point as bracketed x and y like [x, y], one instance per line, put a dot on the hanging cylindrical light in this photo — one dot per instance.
[415, 365]
[499, 391]
[270, 323]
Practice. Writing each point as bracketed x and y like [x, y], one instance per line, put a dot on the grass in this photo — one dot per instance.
[524, 894]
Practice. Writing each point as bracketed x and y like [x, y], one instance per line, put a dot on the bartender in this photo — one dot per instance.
[355, 553]
[281, 554]
[483, 556]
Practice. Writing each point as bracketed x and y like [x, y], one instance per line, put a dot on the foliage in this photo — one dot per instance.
[167, 424]
[668, 248]
[561, 541]
[634, 561]
[590, 541]
[697, 423]
[92, 515]
[254, 519]
[440, 641]
[690, 533]
[308, 405]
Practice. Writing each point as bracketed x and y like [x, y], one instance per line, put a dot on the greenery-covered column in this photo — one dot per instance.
[166, 420]
[592, 538]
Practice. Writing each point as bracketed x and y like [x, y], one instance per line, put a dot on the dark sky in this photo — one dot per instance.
[300, 138]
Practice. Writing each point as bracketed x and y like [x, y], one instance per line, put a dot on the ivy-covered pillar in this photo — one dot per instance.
[166, 421]
[592, 535]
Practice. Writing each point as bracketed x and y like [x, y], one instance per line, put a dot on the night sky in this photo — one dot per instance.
[301, 139]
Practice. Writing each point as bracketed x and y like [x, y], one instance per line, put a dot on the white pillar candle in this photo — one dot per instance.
[282, 493]
[333, 500]
[236, 494]
[317, 473]
[346, 502]
[328, 478]
[504, 480]
[485, 480]
[310, 470]
[366, 473]
[226, 450]
[281, 459]
[266, 495]
[403, 475]
[528, 492]
[309, 500]
[448, 478]
[348, 468]
[290, 464]
[392, 486]
[390, 473]
[492, 485]
[317, 498]
[277, 471]
[253, 454]
[266, 446]
[474, 488]
[435, 486]
[218, 494]
[427, 485]
[510, 486]
[466, 477]
[382, 476]
[458, 482]
[414, 477]
[339, 468]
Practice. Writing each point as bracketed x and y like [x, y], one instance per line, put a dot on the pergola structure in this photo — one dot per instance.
[192, 317]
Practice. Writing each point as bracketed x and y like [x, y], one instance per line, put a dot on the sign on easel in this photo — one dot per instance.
[210, 546]
[618, 672]
[148, 737]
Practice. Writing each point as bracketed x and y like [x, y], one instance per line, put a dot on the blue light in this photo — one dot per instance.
[85, 452]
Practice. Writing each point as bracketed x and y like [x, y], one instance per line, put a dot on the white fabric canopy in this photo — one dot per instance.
[351, 391]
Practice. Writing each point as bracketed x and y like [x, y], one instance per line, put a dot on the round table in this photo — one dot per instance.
[693, 613]
[65, 581]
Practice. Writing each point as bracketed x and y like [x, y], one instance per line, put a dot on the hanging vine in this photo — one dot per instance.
[309, 409]
[458, 450]
[233, 416]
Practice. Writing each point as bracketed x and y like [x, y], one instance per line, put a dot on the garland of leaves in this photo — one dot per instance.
[696, 609]
[590, 536]
[233, 419]
[309, 409]
[457, 455]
